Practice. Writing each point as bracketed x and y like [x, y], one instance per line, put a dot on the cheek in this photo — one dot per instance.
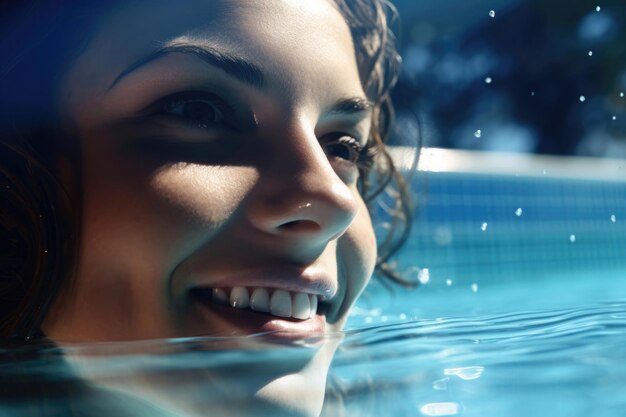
[160, 216]
[357, 253]
[208, 195]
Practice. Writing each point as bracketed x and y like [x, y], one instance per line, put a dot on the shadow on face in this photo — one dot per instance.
[220, 144]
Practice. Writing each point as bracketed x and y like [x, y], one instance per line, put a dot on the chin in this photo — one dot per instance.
[300, 394]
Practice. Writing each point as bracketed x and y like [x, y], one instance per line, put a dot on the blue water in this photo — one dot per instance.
[561, 362]
[515, 350]
[515, 320]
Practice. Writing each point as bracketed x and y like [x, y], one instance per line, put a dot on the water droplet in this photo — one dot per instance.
[474, 287]
[448, 282]
[582, 98]
[621, 94]
[492, 13]
[545, 172]
[613, 218]
[488, 80]
[402, 316]
[518, 212]
[478, 133]
[598, 8]
[532, 93]
[572, 238]
[590, 53]
[614, 118]
[423, 276]
[483, 227]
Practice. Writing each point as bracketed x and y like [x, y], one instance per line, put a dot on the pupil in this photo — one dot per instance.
[199, 111]
[339, 150]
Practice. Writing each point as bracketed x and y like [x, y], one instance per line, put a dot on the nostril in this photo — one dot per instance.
[300, 226]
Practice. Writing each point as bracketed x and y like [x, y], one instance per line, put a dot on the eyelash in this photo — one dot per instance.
[171, 106]
[361, 155]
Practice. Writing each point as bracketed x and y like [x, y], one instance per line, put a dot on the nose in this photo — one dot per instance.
[300, 197]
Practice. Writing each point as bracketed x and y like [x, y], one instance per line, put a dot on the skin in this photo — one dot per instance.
[157, 223]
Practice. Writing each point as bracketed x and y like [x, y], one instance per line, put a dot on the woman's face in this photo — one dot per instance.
[219, 150]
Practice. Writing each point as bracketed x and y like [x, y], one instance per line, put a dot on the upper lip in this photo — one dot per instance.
[311, 280]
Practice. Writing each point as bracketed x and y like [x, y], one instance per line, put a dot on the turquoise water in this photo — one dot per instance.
[519, 350]
[514, 320]
[515, 317]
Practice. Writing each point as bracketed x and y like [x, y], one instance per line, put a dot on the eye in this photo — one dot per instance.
[200, 109]
[200, 112]
[345, 147]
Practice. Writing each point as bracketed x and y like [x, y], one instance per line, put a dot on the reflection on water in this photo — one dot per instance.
[563, 362]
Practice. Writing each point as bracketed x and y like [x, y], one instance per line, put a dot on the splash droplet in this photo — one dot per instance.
[474, 287]
[613, 218]
[614, 118]
[532, 93]
[572, 238]
[483, 227]
[621, 94]
[590, 53]
[518, 212]
[582, 98]
[478, 133]
[423, 276]
[448, 282]
[488, 80]
[598, 8]
[492, 13]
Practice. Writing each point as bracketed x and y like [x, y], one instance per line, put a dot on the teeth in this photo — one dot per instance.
[313, 299]
[281, 303]
[301, 306]
[239, 297]
[220, 296]
[260, 300]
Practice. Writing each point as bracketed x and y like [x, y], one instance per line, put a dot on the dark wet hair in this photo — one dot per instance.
[379, 64]
[39, 219]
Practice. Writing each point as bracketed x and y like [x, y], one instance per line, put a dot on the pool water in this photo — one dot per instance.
[514, 319]
[516, 350]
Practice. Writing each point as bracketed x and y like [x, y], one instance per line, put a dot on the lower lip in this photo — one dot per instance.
[246, 322]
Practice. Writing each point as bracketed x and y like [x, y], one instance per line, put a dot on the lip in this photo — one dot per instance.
[243, 322]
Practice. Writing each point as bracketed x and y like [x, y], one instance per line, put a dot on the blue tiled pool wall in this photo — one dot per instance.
[487, 228]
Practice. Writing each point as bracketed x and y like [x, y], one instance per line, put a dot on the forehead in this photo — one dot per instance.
[303, 47]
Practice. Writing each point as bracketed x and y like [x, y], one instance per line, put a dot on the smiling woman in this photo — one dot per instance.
[194, 171]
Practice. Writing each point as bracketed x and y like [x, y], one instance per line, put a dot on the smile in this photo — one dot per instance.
[275, 302]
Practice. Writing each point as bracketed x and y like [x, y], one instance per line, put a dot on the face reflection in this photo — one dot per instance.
[219, 149]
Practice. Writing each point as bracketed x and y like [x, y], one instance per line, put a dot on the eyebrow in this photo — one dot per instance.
[235, 66]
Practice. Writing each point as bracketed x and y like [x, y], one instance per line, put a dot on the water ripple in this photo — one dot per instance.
[489, 365]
